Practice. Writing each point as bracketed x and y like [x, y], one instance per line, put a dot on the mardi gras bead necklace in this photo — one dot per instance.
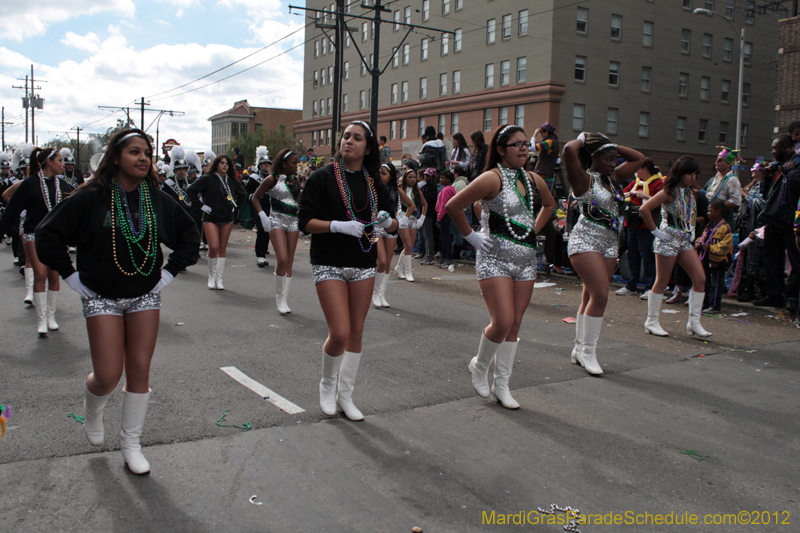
[512, 178]
[227, 190]
[684, 205]
[347, 199]
[46, 193]
[133, 236]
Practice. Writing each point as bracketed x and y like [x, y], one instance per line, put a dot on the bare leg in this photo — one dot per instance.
[224, 236]
[107, 347]
[141, 334]
[596, 280]
[690, 262]
[40, 271]
[664, 267]
[280, 244]
[212, 236]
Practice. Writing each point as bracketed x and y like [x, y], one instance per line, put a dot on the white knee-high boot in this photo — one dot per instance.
[52, 302]
[503, 365]
[579, 338]
[28, 287]
[479, 366]
[93, 416]
[693, 326]
[376, 291]
[399, 269]
[287, 282]
[651, 325]
[212, 272]
[220, 271]
[134, 412]
[327, 386]
[40, 301]
[347, 381]
[280, 288]
[588, 357]
[382, 294]
[407, 267]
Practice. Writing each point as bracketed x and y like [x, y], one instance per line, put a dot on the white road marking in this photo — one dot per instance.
[261, 390]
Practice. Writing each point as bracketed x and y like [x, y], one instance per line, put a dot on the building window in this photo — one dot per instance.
[748, 53]
[457, 40]
[362, 99]
[647, 76]
[730, 8]
[686, 41]
[347, 40]
[324, 46]
[396, 17]
[344, 103]
[314, 108]
[456, 81]
[316, 48]
[423, 50]
[519, 115]
[522, 67]
[503, 116]
[404, 91]
[687, 4]
[726, 91]
[426, 10]
[442, 125]
[445, 44]
[505, 72]
[616, 27]
[745, 94]
[612, 120]
[393, 127]
[314, 138]
[364, 31]
[459, 5]
[580, 68]
[330, 75]
[744, 135]
[710, 5]
[453, 122]
[705, 88]
[683, 85]
[316, 79]
[490, 29]
[522, 27]
[582, 22]
[445, 7]
[421, 126]
[443, 84]
[647, 34]
[403, 128]
[329, 106]
[423, 88]
[363, 67]
[707, 40]
[322, 108]
[322, 77]
[346, 69]
[727, 50]
[723, 132]
[750, 12]
[406, 54]
[644, 124]
[395, 58]
[489, 76]
[487, 120]
[578, 112]
[613, 74]
[681, 130]
[702, 131]
[506, 27]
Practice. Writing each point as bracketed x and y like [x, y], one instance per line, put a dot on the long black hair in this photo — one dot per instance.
[107, 169]
[39, 157]
[415, 192]
[684, 165]
[462, 146]
[372, 155]
[500, 138]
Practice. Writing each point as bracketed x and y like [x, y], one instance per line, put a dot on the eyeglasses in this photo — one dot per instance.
[519, 144]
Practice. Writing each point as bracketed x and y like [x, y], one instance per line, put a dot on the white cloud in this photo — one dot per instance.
[22, 18]
[89, 42]
[266, 19]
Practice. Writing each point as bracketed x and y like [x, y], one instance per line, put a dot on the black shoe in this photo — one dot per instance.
[791, 305]
[768, 301]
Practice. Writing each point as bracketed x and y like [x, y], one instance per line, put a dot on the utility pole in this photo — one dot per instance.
[376, 72]
[3, 127]
[142, 104]
[30, 100]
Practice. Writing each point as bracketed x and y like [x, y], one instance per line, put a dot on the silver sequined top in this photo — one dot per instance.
[282, 193]
[517, 211]
[401, 207]
[604, 197]
[671, 211]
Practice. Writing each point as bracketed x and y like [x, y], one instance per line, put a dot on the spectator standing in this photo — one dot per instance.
[715, 247]
[725, 185]
[386, 151]
[477, 160]
[545, 143]
[459, 157]
[434, 153]
[443, 220]
[430, 191]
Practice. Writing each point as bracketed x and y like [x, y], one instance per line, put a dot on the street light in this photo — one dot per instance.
[702, 11]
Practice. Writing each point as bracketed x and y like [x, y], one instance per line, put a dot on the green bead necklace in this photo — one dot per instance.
[134, 239]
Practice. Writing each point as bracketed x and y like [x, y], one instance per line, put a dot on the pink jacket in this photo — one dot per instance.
[441, 201]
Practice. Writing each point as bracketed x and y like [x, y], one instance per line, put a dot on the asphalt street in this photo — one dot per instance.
[430, 454]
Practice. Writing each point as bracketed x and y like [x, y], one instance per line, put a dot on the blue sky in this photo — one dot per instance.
[112, 52]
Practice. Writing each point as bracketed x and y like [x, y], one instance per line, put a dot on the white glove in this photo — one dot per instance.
[420, 221]
[266, 223]
[420, 184]
[205, 209]
[582, 138]
[166, 279]
[663, 235]
[74, 282]
[385, 219]
[479, 241]
[351, 227]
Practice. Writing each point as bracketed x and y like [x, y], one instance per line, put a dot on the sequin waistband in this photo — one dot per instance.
[497, 226]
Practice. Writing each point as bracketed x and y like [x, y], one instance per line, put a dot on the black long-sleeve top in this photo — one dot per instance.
[28, 197]
[322, 200]
[180, 197]
[210, 189]
[84, 220]
[251, 187]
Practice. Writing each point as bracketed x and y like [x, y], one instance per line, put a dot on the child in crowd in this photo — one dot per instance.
[715, 247]
[443, 219]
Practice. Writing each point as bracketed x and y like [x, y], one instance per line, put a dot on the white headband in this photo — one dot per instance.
[128, 136]
[604, 147]
[287, 154]
[363, 124]
[505, 130]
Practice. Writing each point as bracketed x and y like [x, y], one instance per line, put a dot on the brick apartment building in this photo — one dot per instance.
[787, 100]
[242, 118]
[650, 74]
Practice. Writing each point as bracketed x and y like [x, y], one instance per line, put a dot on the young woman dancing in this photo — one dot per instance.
[674, 244]
[37, 194]
[341, 205]
[416, 207]
[592, 171]
[118, 223]
[284, 189]
[515, 206]
[221, 192]
[387, 241]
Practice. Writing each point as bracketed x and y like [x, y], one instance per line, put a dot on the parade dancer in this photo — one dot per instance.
[37, 195]
[263, 166]
[674, 243]
[515, 206]
[592, 171]
[180, 167]
[219, 192]
[119, 277]
[386, 242]
[416, 208]
[341, 205]
[283, 188]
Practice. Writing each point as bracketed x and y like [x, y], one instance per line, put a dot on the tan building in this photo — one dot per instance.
[787, 100]
[243, 118]
[650, 74]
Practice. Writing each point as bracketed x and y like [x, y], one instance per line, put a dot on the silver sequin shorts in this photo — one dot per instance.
[672, 248]
[99, 305]
[506, 259]
[380, 232]
[28, 237]
[589, 237]
[408, 223]
[346, 274]
[287, 223]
